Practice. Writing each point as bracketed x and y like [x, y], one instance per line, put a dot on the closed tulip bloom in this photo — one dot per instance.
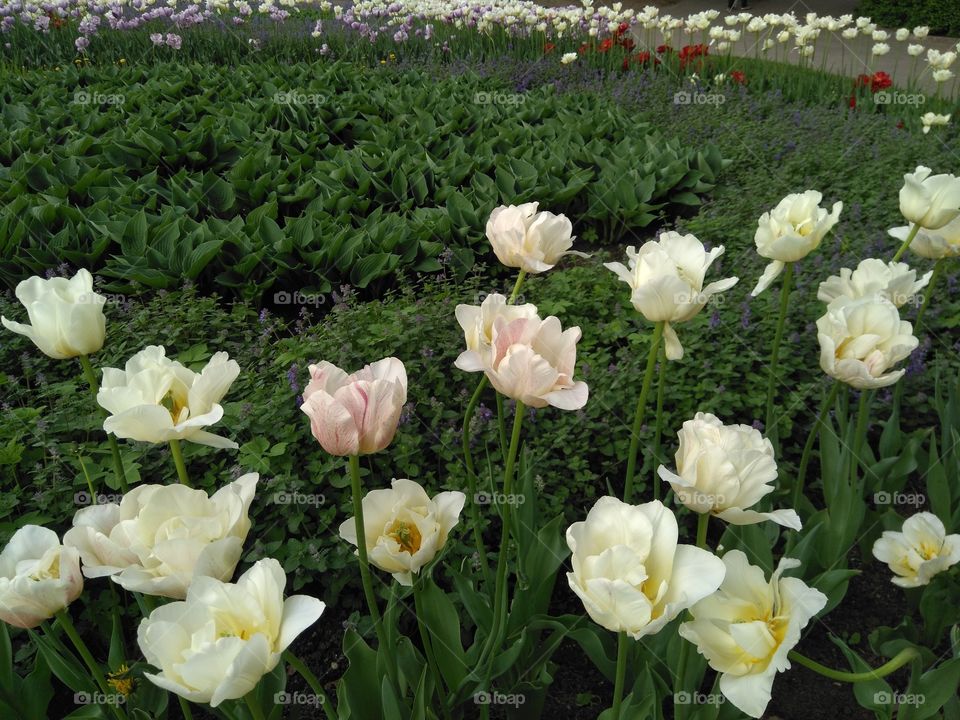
[218, 643]
[724, 470]
[629, 571]
[355, 414]
[529, 240]
[477, 320]
[66, 316]
[747, 628]
[921, 550]
[895, 281]
[862, 339]
[531, 360]
[791, 231]
[155, 399]
[160, 537]
[930, 201]
[404, 527]
[39, 577]
[666, 279]
[933, 244]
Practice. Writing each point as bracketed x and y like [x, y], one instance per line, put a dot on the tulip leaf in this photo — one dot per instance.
[442, 621]
[63, 664]
[36, 691]
[938, 489]
[6, 658]
[936, 687]
[361, 681]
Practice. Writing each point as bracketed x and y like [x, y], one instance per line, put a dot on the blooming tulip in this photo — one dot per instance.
[160, 537]
[629, 571]
[666, 281]
[568, 58]
[39, 577]
[861, 339]
[791, 231]
[404, 528]
[930, 201]
[933, 244]
[894, 280]
[746, 629]
[931, 119]
[725, 469]
[66, 316]
[532, 241]
[219, 642]
[477, 320]
[355, 414]
[921, 550]
[155, 399]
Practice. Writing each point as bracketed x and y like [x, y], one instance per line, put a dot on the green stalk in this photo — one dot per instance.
[111, 439]
[255, 712]
[679, 711]
[315, 685]
[775, 352]
[428, 647]
[899, 660]
[521, 276]
[68, 627]
[639, 412]
[658, 430]
[178, 461]
[808, 447]
[185, 708]
[928, 293]
[906, 243]
[621, 675]
[474, 510]
[703, 521]
[859, 436]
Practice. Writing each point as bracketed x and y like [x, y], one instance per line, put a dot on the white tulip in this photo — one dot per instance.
[39, 577]
[568, 58]
[404, 528]
[156, 399]
[915, 50]
[933, 244]
[921, 31]
[219, 642]
[942, 76]
[160, 537]
[477, 320]
[880, 49]
[66, 316]
[532, 241]
[932, 119]
[895, 281]
[747, 629]
[880, 35]
[666, 279]
[862, 339]
[791, 231]
[930, 201]
[902, 34]
[921, 550]
[849, 33]
[724, 470]
[629, 571]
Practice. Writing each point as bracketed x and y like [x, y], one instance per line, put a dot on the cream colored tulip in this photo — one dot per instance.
[747, 628]
[477, 320]
[155, 399]
[218, 643]
[933, 244]
[39, 577]
[930, 201]
[529, 240]
[160, 537]
[629, 571]
[862, 339]
[921, 550]
[724, 470]
[66, 316]
[895, 281]
[666, 279]
[404, 527]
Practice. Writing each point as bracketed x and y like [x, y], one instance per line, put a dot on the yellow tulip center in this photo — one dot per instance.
[174, 403]
[928, 551]
[407, 536]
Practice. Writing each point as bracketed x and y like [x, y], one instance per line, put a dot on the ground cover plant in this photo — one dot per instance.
[700, 357]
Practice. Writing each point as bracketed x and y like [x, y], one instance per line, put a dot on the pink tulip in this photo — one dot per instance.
[355, 414]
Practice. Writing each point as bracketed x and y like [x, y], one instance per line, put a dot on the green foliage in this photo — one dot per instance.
[941, 16]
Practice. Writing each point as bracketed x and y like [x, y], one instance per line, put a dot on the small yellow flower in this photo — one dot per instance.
[119, 681]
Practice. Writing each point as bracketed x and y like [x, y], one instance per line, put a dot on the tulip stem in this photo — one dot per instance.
[301, 667]
[472, 482]
[899, 660]
[111, 439]
[255, 712]
[658, 430]
[428, 646]
[68, 627]
[639, 412]
[178, 461]
[621, 675]
[185, 708]
[521, 276]
[768, 425]
[703, 521]
[808, 446]
[937, 270]
[859, 437]
[906, 243]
